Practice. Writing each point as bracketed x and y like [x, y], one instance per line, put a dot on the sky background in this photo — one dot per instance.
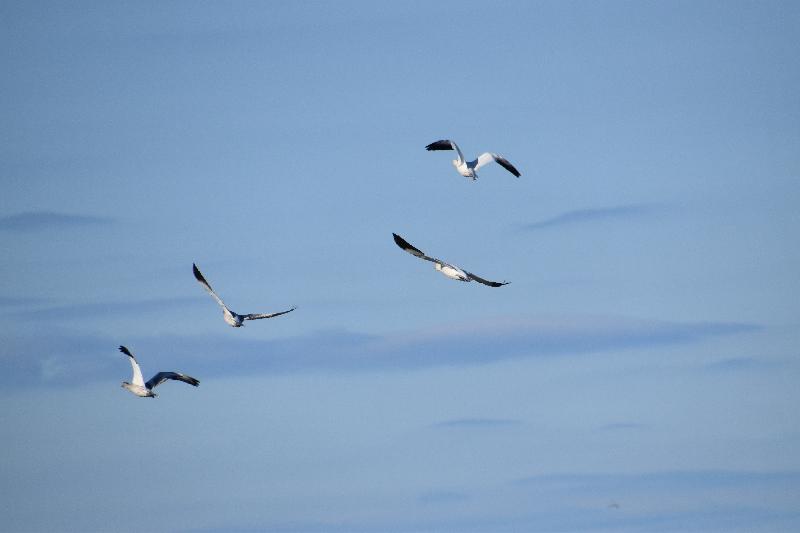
[638, 374]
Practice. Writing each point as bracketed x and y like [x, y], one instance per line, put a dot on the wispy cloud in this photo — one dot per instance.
[664, 502]
[622, 426]
[691, 500]
[10, 301]
[42, 220]
[739, 364]
[579, 216]
[441, 497]
[116, 308]
[91, 358]
[477, 423]
[666, 480]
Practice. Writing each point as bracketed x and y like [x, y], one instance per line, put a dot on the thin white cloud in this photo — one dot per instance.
[48, 220]
[622, 426]
[477, 423]
[344, 351]
[11, 301]
[596, 214]
[439, 497]
[79, 311]
[740, 364]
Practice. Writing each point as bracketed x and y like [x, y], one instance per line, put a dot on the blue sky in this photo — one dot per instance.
[645, 353]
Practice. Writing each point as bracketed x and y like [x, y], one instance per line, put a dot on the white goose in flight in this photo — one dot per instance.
[145, 390]
[234, 319]
[451, 271]
[468, 168]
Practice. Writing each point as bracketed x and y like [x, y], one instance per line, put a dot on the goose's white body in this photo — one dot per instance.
[465, 169]
[452, 272]
[232, 318]
[138, 390]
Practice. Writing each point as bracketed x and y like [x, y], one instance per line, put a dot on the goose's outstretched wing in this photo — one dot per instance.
[137, 378]
[488, 157]
[485, 281]
[446, 144]
[199, 277]
[257, 316]
[161, 377]
[408, 247]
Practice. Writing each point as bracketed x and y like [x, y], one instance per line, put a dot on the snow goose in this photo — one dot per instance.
[234, 319]
[145, 390]
[468, 168]
[451, 271]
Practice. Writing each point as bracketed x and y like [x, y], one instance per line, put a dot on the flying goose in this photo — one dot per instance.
[468, 168]
[234, 319]
[145, 390]
[451, 271]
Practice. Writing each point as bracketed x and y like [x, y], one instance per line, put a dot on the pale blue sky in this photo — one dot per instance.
[644, 354]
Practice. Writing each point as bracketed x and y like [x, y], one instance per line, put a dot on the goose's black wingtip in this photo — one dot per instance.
[401, 242]
[443, 144]
[197, 275]
[503, 162]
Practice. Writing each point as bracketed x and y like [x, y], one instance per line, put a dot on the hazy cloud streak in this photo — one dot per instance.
[737, 364]
[596, 214]
[666, 479]
[622, 426]
[11, 301]
[661, 501]
[477, 423]
[22, 360]
[43, 220]
[118, 308]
